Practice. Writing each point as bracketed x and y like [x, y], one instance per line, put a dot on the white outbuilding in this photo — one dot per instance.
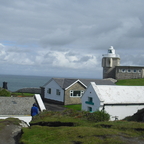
[118, 101]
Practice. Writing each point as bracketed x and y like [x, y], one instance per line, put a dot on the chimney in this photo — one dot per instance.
[5, 85]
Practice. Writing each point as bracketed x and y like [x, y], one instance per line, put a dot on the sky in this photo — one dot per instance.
[67, 38]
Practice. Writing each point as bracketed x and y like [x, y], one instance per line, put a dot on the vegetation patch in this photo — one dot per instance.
[86, 128]
[131, 82]
[4, 92]
[70, 115]
[22, 94]
[79, 134]
[75, 107]
[138, 116]
[68, 135]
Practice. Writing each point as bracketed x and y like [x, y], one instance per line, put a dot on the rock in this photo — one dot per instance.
[11, 133]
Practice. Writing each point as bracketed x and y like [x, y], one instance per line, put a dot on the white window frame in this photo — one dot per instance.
[72, 93]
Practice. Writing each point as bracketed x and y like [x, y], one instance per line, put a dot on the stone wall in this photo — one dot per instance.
[129, 72]
[75, 99]
[108, 65]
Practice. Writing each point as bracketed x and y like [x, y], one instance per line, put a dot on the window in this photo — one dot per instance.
[57, 92]
[90, 109]
[110, 51]
[123, 70]
[76, 93]
[139, 71]
[134, 70]
[49, 91]
[90, 101]
[129, 70]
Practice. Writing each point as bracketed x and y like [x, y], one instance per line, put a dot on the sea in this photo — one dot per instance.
[16, 82]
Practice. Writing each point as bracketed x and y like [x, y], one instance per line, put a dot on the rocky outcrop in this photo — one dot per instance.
[11, 132]
[30, 90]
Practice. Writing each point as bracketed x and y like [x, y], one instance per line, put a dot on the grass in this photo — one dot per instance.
[83, 132]
[7, 93]
[70, 135]
[75, 107]
[131, 82]
[22, 94]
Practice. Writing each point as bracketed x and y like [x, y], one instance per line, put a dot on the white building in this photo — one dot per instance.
[118, 101]
[68, 91]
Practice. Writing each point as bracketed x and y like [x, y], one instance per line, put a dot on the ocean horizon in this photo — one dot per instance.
[16, 82]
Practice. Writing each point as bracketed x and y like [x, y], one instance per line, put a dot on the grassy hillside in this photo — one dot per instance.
[71, 127]
[75, 127]
[131, 82]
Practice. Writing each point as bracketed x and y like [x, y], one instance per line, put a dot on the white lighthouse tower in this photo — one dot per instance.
[109, 61]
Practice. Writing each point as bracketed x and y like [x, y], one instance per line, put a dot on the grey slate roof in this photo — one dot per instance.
[66, 82]
[16, 105]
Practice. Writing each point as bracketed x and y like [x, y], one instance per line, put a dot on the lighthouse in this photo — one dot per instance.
[109, 62]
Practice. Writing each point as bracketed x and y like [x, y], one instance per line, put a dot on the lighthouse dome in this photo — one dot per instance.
[111, 52]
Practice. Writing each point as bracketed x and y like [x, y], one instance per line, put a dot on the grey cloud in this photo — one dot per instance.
[18, 50]
[71, 53]
[73, 29]
[58, 37]
[84, 59]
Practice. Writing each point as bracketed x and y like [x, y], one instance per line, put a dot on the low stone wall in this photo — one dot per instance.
[30, 90]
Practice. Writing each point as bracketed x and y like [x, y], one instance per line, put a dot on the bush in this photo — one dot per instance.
[98, 116]
[4, 92]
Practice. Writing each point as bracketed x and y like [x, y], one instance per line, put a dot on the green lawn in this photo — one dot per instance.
[75, 107]
[22, 94]
[131, 82]
[83, 132]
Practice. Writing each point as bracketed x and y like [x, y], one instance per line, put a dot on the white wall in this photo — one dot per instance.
[90, 93]
[53, 85]
[119, 111]
[122, 111]
[40, 102]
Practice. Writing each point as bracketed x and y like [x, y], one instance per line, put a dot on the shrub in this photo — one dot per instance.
[98, 116]
[70, 112]
[4, 92]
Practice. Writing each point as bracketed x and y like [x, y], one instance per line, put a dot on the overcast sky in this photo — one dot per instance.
[67, 38]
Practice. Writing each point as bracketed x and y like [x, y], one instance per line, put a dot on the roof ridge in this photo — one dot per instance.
[63, 82]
